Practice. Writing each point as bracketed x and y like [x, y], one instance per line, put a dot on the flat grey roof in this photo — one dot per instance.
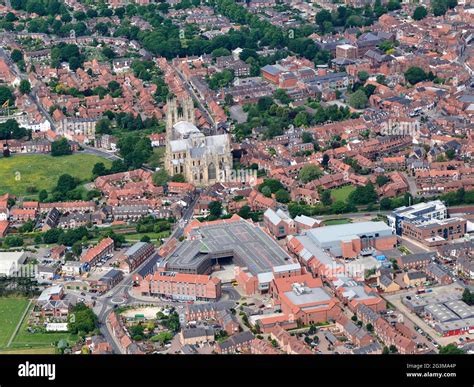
[441, 313]
[247, 243]
[311, 249]
[454, 325]
[459, 307]
[311, 296]
[345, 231]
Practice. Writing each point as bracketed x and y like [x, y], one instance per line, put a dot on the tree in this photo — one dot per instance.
[118, 166]
[215, 208]
[99, 169]
[108, 53]
[81, 319]
[229, 100]
[16, 56]
[385, 350]
[13, 241]
[103, 126]
[369, 327]
[264, 103]
[358, 99]
[266, 191]
[11, 130]
[52, 235]
[25, 86]
[60, 147]
[393, 349]
[145, 238]
[160, 178]
[178, 178]
[420, 13]
[307, 137]
[468, 297]
[326, 198]
[381, 79]
[451, 349]
[6, 95]
[172, 322]
[382, 180]
[338, 207]
[221, 51]
[282, 96]
[273, 184]
[393, 5]
[414, 75]
[439, 7]
[363, 195]
[282, 196]
[43, 195]
[309, 173]
[10, 17]
[162, 337]
[325, 160]
[363, 75]
[450, 154]
[323, 16]
[77, 248]
[301, 119]
[65, 184]
[385, 204]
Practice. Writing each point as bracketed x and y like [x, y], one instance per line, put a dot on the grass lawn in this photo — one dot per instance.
[30, 351]
[332, 222]
[19, 172]
[341, 194]
[11, 311]
[154, 237]
[25, 339]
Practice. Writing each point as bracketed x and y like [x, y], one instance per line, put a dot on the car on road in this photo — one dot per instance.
[83, 294]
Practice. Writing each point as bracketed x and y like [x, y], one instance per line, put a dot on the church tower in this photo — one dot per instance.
[188, 110]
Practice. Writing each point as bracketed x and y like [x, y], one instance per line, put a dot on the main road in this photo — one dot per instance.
[190, 90]
[121, 295]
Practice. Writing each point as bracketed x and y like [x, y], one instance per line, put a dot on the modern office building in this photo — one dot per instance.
[420, 212]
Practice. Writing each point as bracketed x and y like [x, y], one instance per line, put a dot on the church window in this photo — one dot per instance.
[211, 171]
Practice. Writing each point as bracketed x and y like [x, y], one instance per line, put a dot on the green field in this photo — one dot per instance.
[21, 172]
[25, 339]
[11, 311]
[30, 351]
[332, 222]
[341, 194]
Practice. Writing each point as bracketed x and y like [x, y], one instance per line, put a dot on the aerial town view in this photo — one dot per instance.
[266, 177]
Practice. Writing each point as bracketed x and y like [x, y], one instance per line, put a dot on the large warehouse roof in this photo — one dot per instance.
[348, 231]
[247, 243]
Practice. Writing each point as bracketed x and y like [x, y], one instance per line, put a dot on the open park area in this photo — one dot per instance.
[28, 174]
